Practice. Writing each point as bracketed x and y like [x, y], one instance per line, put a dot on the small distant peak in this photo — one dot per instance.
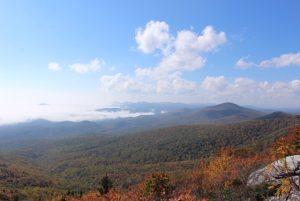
[277, 114]
[227, 105]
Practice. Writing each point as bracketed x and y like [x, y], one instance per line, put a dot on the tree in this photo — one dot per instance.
[158, 186]
[105, 185]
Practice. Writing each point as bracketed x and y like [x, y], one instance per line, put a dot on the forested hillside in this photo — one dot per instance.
[77, 163]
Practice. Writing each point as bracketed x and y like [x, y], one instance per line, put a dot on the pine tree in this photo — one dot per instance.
[105, 185]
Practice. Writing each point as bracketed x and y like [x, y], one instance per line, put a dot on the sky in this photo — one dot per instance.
[61, 59]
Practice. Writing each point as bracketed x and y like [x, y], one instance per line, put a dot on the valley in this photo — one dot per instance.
[75, 161]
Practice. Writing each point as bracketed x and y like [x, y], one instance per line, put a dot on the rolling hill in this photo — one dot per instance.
[222, 113]
[80, 161]
[275, 115]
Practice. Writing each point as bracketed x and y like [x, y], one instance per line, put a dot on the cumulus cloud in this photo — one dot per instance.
[93, 66]
[124, 83]
[242, 63]
[53, 66]
[214, 83]
[174, 83]
[188, 47]
[170, 84]
[282, 61]
[219, 85]
[246, 89]
[154, 36]
[181, 53]
[208, 41]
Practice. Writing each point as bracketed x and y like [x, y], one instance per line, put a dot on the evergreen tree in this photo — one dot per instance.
[105, 185]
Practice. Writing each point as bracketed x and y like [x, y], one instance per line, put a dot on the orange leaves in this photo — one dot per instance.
[218, 170]
[288, 145]
[229, 169]
[283, 148]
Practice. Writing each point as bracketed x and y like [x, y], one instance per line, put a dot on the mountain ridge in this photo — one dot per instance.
[221, 113]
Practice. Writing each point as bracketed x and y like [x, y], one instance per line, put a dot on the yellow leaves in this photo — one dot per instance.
[285, 187]
[227, 184]
[219, 166]
[283, 148]
[270, 168]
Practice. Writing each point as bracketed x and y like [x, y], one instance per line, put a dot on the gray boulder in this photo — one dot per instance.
[288, 167]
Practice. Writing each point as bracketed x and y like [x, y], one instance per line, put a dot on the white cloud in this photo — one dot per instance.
[175, 84]
[124, 83]
[180, 53]
[169, 84]
[184, 61]
[214, 83]
[242, 63]
[53, 66]
[283, 60]
[242, 85]
[208, 41]
[93, 66]
[185, 52]
[219, 85]
[154, 36]
[248, 90]
[188, 46]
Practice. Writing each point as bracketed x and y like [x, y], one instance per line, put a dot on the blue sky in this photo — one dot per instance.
[94, 53]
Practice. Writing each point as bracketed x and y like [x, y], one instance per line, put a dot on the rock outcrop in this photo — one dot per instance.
[288, 167]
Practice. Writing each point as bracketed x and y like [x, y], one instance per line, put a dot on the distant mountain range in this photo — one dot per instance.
[147, 107]
[222, 113]
[174, 114]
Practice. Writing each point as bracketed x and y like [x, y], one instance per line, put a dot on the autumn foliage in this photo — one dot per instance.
[223, 176]
[288, 145]
[226, 174]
